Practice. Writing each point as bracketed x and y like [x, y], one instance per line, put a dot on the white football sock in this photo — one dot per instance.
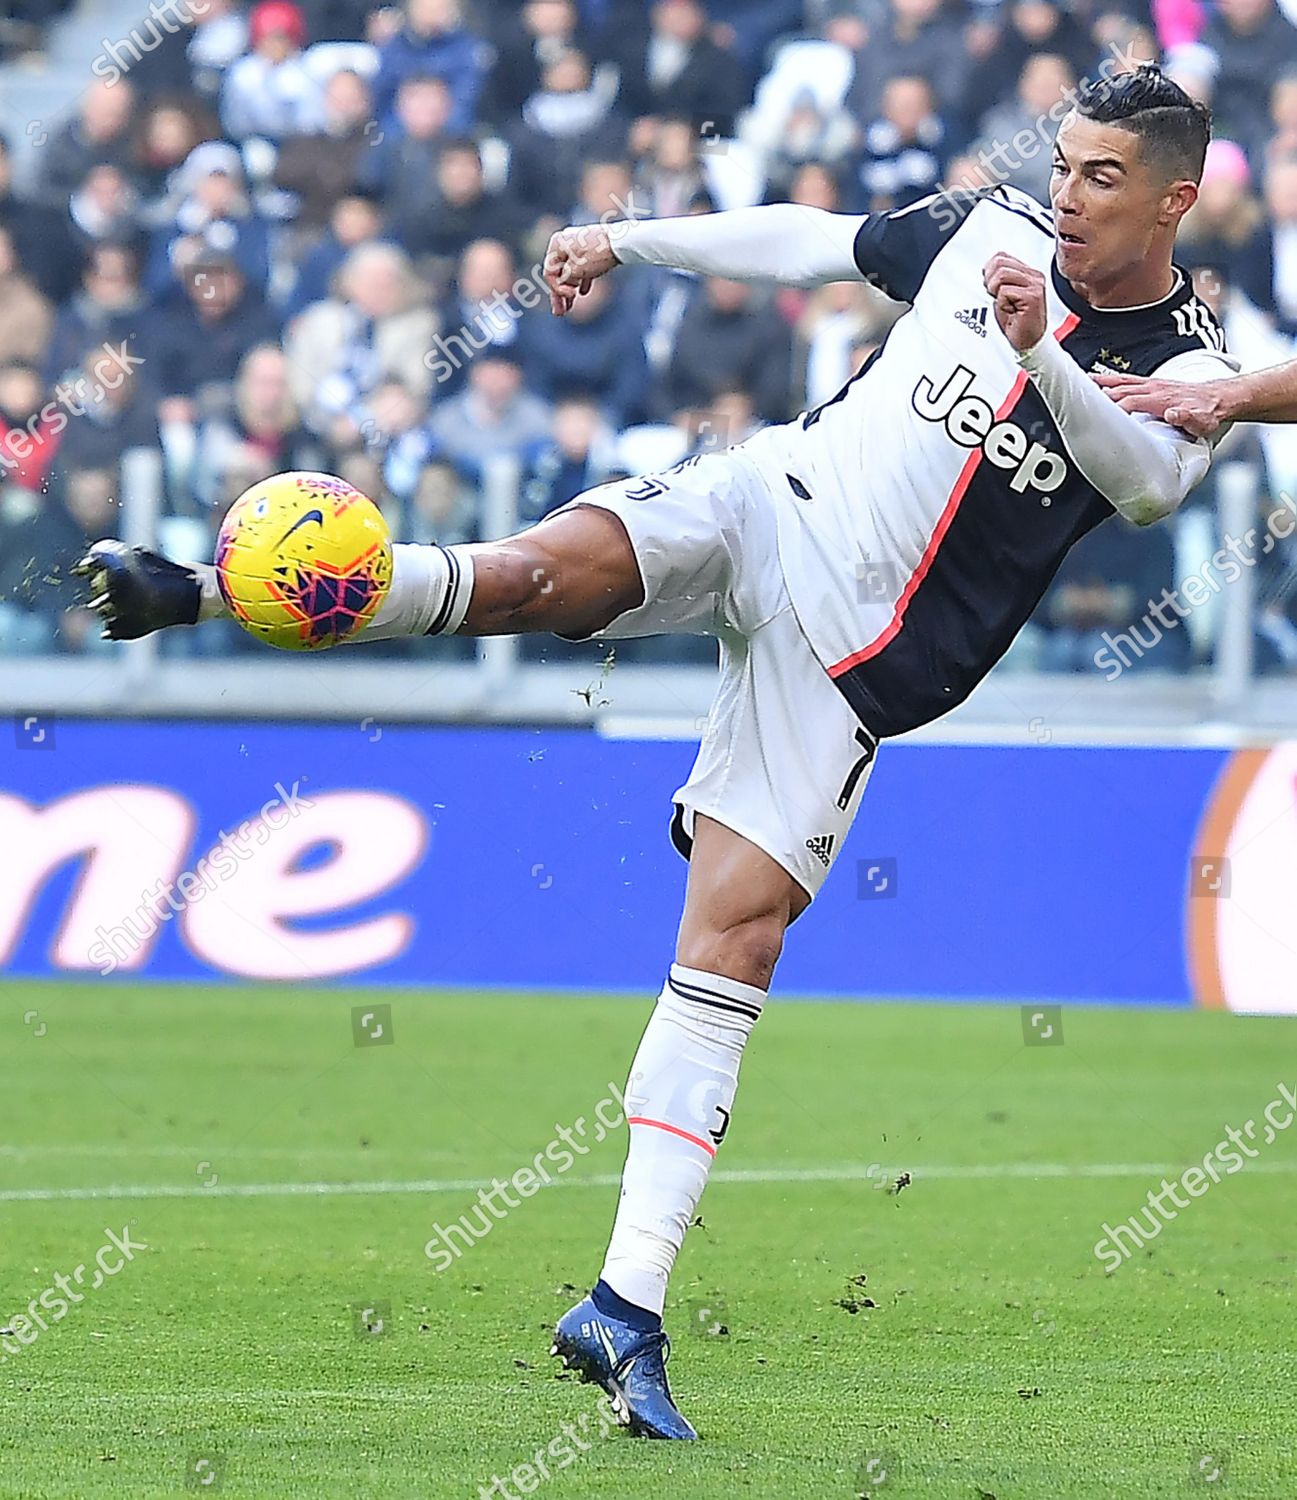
[211, 604]
[431, 588]
[678, 1104]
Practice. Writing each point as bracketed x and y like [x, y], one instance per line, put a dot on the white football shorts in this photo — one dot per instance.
[783, 760]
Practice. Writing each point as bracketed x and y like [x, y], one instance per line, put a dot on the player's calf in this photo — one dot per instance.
[572, 574]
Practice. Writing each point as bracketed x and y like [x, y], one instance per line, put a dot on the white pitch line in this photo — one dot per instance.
[754, 1176]
[191, 1153]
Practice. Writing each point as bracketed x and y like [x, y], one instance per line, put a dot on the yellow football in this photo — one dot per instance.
[303, 561]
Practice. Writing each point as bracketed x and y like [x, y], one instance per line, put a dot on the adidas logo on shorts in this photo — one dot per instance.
[974, 318]
[821, 846]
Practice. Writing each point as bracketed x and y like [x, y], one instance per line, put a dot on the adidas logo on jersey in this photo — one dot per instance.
[822, 848]
[970, 422]
[974, 318]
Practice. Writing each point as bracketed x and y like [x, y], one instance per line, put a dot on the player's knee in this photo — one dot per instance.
[746, 948]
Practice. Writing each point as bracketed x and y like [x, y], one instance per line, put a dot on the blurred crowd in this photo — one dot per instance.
[308, 233]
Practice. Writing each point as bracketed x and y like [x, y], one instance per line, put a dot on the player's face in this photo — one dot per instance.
[1111, 208]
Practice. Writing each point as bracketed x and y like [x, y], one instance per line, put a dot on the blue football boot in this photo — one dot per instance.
[628, 1364]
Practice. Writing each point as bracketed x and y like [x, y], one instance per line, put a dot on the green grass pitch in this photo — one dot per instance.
[831, 1338]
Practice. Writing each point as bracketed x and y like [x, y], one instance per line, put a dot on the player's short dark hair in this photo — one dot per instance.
[1173, 129]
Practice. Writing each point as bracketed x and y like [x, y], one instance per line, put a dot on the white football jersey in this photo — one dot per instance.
[924, 510]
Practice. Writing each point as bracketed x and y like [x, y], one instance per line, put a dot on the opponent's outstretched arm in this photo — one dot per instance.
[1262, 396]
[786, 243]
[1143, 468]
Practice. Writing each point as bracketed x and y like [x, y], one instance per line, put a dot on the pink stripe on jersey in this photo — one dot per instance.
[893, 627]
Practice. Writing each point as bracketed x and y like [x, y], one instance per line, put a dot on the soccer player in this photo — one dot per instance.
[863, 566]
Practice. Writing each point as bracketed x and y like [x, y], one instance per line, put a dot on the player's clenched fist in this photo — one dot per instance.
[576, 257]
[1019, 293]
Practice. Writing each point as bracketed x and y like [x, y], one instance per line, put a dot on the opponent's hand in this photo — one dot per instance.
[1019, 293]
[1196, 408]
[576, 258]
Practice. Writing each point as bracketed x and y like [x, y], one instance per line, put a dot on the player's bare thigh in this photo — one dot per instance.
[738, 904]
[573, 573]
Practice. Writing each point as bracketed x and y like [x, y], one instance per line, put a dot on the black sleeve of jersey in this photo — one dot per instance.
[1189, 327]
[1141, 342]
[895, 249]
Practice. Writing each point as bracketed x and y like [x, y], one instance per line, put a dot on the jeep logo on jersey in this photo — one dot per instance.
[970, 421]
